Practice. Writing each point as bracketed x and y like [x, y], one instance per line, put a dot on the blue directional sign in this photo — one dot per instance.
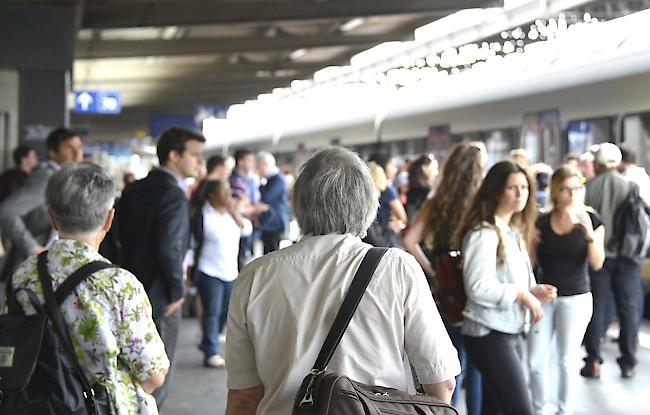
[97, 102]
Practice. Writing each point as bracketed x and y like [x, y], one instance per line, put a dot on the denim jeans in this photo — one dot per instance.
[215, 296]
[565, 319]
[618, 277]
[504, 387]
[470, 374]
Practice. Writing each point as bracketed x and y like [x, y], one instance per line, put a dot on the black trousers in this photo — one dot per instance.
[271, 241]
[505, 391]
[618, 278]
[168, 328]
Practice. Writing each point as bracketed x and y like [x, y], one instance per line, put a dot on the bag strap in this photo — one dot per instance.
[77, 277]
[54, 313]
[350, 303]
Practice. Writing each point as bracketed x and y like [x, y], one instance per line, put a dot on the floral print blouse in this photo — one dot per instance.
[109, 320]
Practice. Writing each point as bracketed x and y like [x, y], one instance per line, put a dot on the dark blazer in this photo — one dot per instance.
[274, 194]
[153, 228]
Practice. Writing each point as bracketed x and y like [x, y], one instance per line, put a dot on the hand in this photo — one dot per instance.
[396, 225]
[170, 308]
[582, 219]
[532, 303]
[261, 207]
[38, 250]
[544, 292]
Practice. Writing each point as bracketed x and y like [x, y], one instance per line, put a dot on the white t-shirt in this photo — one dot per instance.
[220, 244]
[284, 303]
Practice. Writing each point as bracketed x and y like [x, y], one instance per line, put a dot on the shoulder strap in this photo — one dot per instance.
[350, 303]
[77, 277]
[59, 325]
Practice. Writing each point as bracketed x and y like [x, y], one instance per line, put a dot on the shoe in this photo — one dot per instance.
[215, 361]
[627, 372]
[591, 370]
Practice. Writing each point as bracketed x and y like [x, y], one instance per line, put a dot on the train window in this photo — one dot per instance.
[636, 136]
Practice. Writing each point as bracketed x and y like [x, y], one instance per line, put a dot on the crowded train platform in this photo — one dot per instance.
[324, 207]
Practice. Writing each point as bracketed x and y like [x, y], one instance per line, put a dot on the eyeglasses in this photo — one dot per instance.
[567, 189]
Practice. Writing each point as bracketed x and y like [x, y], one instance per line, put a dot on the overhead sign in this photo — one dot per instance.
[97, 102]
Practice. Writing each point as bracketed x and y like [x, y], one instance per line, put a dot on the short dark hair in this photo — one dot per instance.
[381, 157]
[214, 162]
[240, 154]
[174, 139]
[21, 152]
[212, 186]
[59, 135]
[628, 155]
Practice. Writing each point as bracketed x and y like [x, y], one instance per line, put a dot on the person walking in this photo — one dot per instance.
[619, 277]
[429, 236]
[283, 303]
[500, 285]
[108, 315]
[153, 222]
[274, 221]
[23, 214]
[567, 241]
[216, 229]
[25, 160]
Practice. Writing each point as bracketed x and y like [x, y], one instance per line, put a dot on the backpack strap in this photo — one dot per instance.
[77, 277]
[61, 329]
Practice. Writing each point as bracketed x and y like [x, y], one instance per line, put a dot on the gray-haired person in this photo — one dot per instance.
[108, 315]
[297, 290]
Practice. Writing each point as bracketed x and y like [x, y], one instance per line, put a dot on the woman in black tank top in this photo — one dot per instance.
[568, 240]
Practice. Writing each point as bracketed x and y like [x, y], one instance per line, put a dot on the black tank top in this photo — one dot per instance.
[563, 258]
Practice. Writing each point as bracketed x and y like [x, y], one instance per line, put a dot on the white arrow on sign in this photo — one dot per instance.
[85, 99]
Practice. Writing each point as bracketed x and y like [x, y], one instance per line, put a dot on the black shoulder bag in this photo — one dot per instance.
[325, 392]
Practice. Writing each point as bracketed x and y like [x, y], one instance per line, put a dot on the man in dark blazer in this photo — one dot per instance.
[23, 214]
[153, 227]
[273, 193]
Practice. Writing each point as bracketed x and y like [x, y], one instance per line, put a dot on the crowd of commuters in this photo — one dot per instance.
[536, 268]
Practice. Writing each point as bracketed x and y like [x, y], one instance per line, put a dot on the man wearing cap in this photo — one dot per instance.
[619, 277]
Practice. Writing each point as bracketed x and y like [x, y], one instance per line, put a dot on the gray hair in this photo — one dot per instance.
[80, 196]
[266, 158]
[335, 193]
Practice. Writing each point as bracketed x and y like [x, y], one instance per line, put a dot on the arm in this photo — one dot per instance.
[19, 204]
[244, 401]
[442, 390]
[480, 271]
[397, 209]
[141, 349]
[411, 242]
[172, 222]
[596, 249]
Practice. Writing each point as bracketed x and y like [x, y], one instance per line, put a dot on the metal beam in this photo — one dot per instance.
[190, 85]
[89, 49]
[127, 13]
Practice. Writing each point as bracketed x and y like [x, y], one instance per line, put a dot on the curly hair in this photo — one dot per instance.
[461, 176]
[484, 206]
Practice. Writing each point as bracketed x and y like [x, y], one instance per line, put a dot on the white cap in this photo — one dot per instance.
[608, 155]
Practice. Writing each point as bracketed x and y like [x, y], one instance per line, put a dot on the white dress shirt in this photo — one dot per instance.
[284, 303]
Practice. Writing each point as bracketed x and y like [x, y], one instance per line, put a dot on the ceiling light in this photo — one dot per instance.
[352, 24]
[297, 54]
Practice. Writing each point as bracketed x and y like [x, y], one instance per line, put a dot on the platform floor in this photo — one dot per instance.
[200, 390]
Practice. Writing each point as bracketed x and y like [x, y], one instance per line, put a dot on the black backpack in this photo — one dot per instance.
[35, 378]
[631, 234]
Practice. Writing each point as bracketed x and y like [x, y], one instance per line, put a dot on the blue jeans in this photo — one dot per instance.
[469, 374]
[618, 277]
[215, 296]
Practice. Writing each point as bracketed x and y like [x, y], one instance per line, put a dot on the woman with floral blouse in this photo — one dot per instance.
[108, 315]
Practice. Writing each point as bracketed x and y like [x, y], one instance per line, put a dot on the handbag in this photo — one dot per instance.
[450, 293]
[326, 392]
